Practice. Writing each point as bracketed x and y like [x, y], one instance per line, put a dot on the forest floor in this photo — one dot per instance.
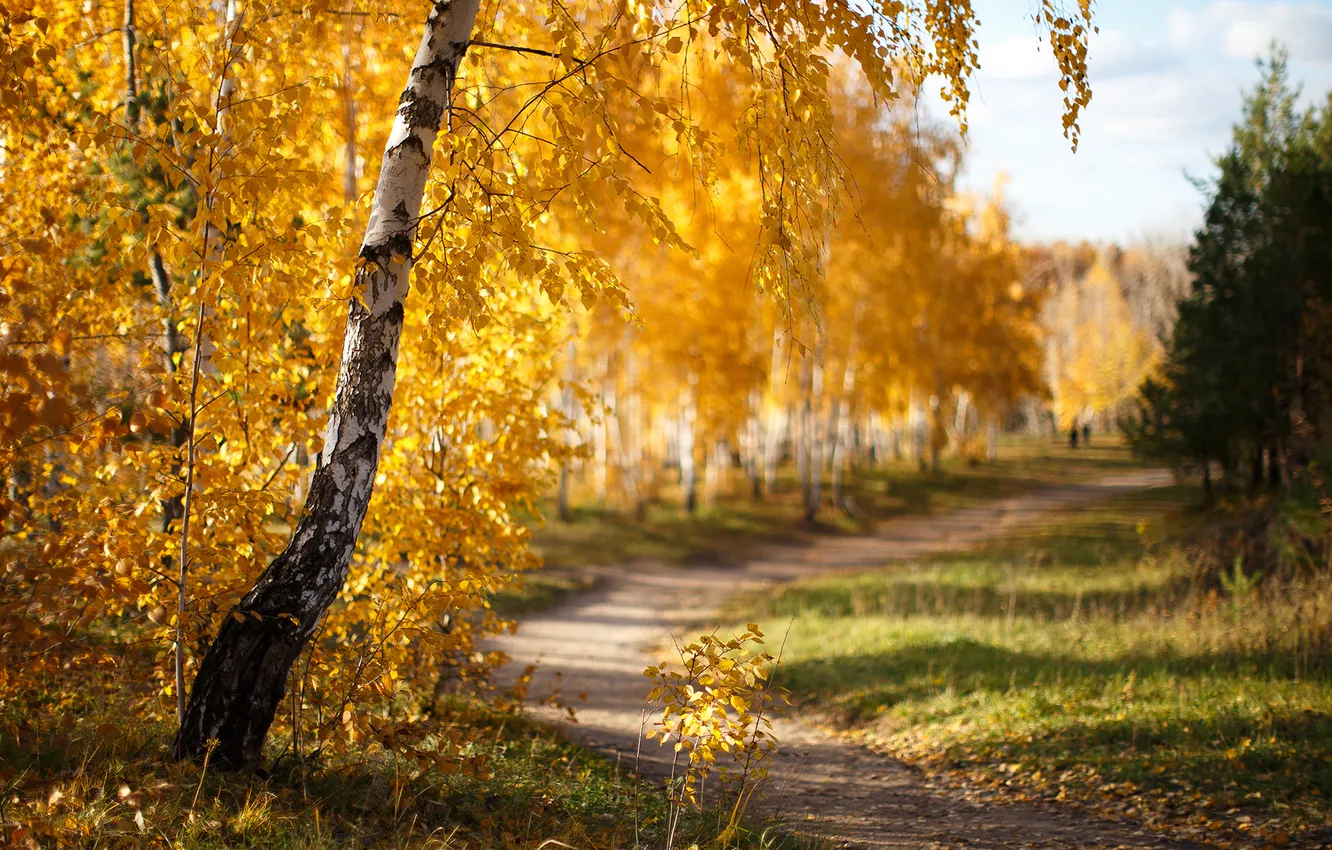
[593, 646]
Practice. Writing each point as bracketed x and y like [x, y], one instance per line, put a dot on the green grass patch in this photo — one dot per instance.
[1072, 661]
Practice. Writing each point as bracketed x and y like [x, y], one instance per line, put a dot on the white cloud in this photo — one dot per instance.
[1017, 58]
[1116, 53]
[1162, 107]
[1245, 30]
[1112, 53]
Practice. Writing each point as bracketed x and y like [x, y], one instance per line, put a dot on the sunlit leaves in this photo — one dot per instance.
[717, 708]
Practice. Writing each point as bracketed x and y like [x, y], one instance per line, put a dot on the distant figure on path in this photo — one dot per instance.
[1086, 435]
[1073, 437]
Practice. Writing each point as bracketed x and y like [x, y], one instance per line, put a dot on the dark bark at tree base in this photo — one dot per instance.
[237, 692]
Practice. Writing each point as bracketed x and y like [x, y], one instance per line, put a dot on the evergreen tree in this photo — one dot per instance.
[1243, 384]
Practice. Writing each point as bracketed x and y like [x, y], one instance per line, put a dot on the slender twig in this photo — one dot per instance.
[190, 445]
[517, 49]
[278, 468]
[208, 752]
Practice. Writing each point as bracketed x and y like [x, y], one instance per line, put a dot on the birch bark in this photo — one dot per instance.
[937, 432]
[772, 433]
[803, 440]
[632, 443]
[754, 456]
[601, 434]
[688, 469]
[349, 116]
[243, 677]
[814, 404]
[841, 429]
[173, 344]
[562, 509]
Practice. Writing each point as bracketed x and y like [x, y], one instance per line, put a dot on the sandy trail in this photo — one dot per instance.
[598, 643]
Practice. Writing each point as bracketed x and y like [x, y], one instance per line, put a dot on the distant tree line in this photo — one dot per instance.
[1246, 383]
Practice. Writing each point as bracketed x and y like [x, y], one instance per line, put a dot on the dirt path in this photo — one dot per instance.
[598, 643]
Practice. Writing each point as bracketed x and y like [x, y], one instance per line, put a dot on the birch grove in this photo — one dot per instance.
[199, 301]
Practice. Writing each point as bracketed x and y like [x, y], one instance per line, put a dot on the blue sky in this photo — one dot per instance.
[1166, 80]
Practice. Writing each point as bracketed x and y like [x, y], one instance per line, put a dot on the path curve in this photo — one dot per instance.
[595, 646]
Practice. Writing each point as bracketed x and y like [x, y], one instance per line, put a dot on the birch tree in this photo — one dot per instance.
[243, 677]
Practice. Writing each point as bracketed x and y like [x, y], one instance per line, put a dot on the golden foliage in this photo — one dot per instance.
[1099, 352]
[717, 704]
[183, 184]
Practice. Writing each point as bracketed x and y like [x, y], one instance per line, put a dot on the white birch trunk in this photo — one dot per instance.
[173, 345]
[688, 470]
[632, 444]
[876, 438]
[816, 437]
[570, 414]
[712, 474]
[614, 432]
[803, 438]
[773, 433]
[601, 435]
[243, 677]
[962, 417]
[350, 190]
[916, 424]
[936, 422]
[842, 427]
[753, 444]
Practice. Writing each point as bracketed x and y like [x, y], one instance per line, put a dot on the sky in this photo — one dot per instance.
[1167, 81]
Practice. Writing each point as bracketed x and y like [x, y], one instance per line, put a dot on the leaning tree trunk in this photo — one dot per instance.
[243, 677]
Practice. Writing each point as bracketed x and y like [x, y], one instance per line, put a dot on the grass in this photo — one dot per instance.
[1080, 661]
[89, 778]
[737, 524]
